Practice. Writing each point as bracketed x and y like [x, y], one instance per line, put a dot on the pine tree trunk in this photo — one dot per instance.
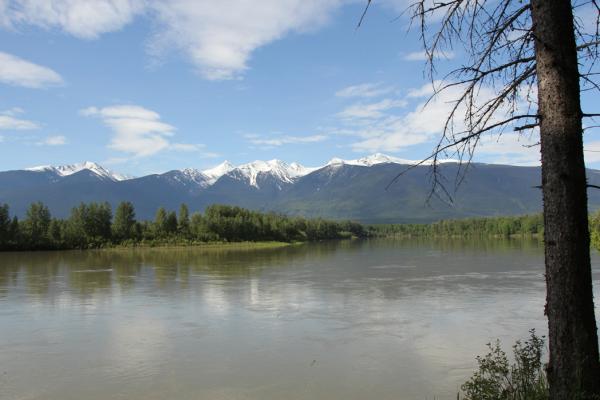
[574, 367]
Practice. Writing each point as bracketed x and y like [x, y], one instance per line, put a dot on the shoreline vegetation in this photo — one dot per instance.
[499, 379]
[93, 226]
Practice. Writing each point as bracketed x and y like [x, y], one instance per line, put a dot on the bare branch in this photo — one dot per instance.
[441, 149]
[362, 17]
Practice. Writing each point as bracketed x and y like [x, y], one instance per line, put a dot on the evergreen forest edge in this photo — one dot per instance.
[93, 225]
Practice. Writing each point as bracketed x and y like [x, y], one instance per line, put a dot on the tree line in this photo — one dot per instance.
[525, 225]
[93, 225]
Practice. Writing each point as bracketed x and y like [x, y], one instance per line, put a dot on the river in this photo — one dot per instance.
[378, 319]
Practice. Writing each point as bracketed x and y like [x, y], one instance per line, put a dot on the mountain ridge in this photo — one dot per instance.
[251, 169]
[340, 189]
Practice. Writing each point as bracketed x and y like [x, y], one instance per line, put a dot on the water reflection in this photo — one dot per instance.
[89, 272]
[382, 319]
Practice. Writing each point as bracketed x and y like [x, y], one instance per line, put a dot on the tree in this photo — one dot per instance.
[4, 226]
[98, 223]
[36, 224]
[124, 223]
[183, 221]
[526, 56]
[55, 232]
[171, 223]
[14, 231]
[90, 224]
[160, 222]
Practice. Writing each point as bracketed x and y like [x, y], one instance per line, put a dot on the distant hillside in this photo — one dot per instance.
[354, 189]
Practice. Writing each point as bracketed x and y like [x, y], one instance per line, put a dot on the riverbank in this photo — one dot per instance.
[202, 245]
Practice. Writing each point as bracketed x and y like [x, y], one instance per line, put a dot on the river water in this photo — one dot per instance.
[380, 319]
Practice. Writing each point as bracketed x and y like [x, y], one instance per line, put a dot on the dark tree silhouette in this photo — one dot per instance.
[535, 58]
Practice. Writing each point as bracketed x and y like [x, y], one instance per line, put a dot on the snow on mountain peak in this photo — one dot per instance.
[287, 172]
[279, 169]
[379, 158]
[192, 173]
[336, 161]
[216, 172]
[196, 176]
[66, 170]
[276, 167]
[297, 170]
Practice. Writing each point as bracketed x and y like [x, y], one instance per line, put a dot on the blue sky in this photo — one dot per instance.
[142, 86]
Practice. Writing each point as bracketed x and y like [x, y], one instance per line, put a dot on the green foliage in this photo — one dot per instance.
[89, 226]
[526, 225]
[124, 225]
[36, 224]
[497, 379]
[183, 221]
[160, 222]
[595, 229]
[171, 223]
[92, 226]
[4, 226]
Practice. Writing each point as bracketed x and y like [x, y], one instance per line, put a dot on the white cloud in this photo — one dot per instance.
[370, 110]
[364, 90]
[423, 91]
[193, 148]
[86, 19]
[510, 148]
[592, 152]
[422, 56]
[186, 147]
[19, 72]
[218, 37]
[8, 122]
[389, 132]
[137, 130]
[14, 111]
[122, 111]
[53, 141]
[282, 140]
[404, 8]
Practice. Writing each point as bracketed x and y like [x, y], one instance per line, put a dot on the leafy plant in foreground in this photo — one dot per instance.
[497, 379]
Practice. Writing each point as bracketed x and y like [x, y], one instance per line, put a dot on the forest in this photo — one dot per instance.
[508, 226]
[524, 225]
[93, 225]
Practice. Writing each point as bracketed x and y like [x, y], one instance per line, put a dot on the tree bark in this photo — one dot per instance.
[574, 366]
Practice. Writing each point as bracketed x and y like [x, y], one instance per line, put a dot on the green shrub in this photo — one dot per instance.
[497, 379]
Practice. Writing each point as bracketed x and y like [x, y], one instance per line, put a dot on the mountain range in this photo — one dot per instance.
[341, 189]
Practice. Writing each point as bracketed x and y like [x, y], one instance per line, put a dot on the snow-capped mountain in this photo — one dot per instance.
[355, 189]
[368, 161]
[278, 169]
[379, 158]
[66, 170]
[196, 176]
[190, 178]
[216, 172]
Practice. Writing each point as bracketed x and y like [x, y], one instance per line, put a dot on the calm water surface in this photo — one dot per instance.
[350, 320]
